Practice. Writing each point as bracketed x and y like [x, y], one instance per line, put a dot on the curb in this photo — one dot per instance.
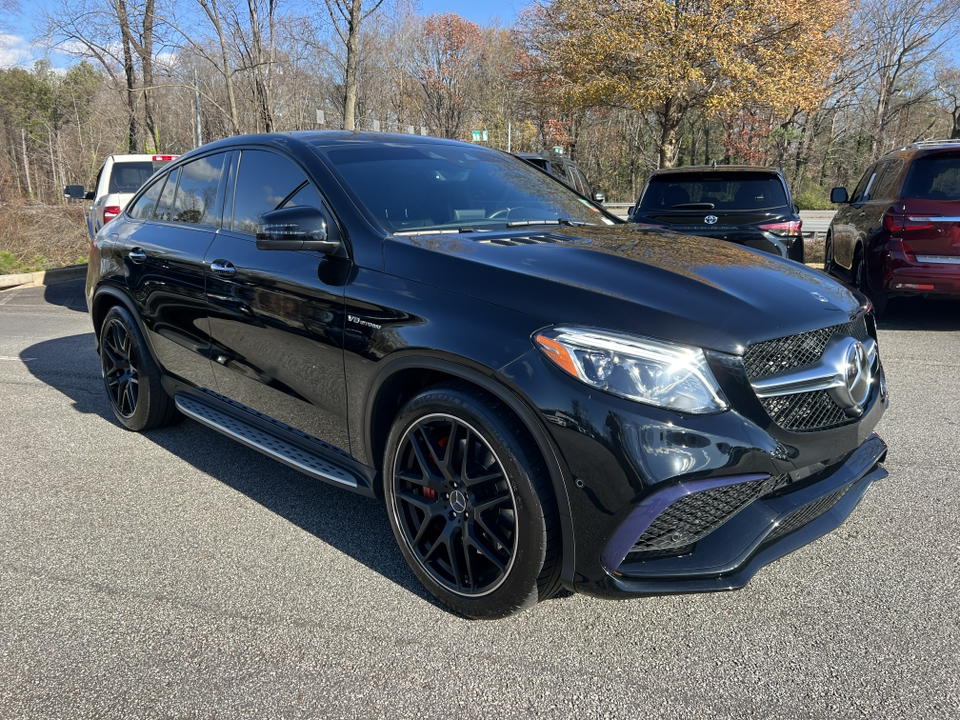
[44, 277]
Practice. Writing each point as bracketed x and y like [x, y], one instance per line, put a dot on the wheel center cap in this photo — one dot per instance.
[458, 501]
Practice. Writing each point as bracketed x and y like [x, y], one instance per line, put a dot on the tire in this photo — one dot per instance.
[131, 376]
[829, 266]
[859, 280]
[470, 503]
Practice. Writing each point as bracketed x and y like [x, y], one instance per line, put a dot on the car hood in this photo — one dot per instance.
[683, 288]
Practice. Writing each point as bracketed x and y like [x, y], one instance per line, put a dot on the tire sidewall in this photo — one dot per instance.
[519, 589]
[139, 359]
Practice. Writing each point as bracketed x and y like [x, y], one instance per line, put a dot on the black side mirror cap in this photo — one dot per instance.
[76, 192]
[298, 228]
[839, 195]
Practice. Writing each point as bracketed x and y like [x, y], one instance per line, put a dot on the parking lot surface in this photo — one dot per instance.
[178, 574]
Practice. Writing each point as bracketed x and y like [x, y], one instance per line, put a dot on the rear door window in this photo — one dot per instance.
[143, 208]
[197, 196]
[165, 206]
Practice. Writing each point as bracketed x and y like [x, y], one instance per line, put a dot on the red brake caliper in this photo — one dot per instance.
[430, 493]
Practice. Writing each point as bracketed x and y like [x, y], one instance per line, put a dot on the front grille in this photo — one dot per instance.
[804, 412]
[807, 514]
[696, 515]
[773, 356]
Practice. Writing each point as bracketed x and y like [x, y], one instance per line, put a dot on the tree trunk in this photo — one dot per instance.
[671, 119]
[210, 8]
[353, 62]
[146, 60]
[129, 71]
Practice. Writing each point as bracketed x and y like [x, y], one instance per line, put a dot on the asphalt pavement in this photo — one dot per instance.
[177, 574]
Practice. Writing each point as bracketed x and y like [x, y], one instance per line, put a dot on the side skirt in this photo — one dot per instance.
[276, 440]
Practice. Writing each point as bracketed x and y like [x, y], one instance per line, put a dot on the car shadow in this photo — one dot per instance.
[68, 294]
[918, 313]
[354, 524]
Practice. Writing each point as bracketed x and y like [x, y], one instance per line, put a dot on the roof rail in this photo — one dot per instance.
[931, 143]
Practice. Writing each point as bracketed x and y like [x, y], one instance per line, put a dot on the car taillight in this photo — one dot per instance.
[791, 228]
[164, 158]
[110, 212]
[896, 222]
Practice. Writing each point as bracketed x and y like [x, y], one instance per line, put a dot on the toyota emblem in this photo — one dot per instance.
[710, 219]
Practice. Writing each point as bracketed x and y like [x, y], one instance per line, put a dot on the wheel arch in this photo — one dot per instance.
[404, 377]
[106, 297]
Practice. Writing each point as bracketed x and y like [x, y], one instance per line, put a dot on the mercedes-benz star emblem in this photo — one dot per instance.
[458, 501]
[855, 375]
[710, 219]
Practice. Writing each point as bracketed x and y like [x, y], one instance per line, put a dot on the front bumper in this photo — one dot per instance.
[758, 491]
[762, 531]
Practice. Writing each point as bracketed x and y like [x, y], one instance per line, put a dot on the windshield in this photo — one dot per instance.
[416, 188]
[128, 176]
[714, 191]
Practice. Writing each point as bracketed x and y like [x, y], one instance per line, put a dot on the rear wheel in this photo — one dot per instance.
[859, 279]
[130, 375]
[829, 266]
[470, 503]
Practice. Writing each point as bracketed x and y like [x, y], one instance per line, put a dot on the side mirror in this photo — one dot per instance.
[75, 192]
[298, 228]
[839, 195]
[600, 197]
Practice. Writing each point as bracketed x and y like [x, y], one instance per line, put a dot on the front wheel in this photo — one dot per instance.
[470, 503]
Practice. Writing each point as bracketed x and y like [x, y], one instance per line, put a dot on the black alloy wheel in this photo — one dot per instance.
[130, 375]
[470, 503]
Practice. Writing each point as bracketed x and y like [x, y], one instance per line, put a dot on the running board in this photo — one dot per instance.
[302, 454]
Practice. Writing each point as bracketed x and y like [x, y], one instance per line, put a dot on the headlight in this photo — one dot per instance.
[655, 372]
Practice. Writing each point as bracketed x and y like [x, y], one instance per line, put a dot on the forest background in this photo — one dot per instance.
[817, 88]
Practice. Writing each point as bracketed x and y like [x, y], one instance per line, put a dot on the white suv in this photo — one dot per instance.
[119, 178]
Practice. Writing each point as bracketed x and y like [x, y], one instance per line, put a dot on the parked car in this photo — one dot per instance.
[119, 178]
[898, 232]
[565, 170]
[742, 204]
[542, 395]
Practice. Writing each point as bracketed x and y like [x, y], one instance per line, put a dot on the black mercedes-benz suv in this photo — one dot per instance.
[542, 396]
[742, 204]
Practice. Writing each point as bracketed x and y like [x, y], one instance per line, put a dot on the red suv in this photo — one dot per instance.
[898, 232]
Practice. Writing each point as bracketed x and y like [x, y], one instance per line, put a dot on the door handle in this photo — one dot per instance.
[137, 256]
[223, 268]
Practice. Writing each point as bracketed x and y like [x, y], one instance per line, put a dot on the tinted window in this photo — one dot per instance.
[145, 204]
[934, 177]
[860, 192]
[196, 200]
[265, 181]
[164, 209]
[414, 187]
[719, 191]
[883, 187]
[128, 177]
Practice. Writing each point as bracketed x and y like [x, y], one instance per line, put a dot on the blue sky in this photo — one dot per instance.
[16, 39]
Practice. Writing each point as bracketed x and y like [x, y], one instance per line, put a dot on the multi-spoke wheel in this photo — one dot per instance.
[130, 375]
[470, 503]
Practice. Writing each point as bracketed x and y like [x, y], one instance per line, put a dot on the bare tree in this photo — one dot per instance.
[348, 17]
